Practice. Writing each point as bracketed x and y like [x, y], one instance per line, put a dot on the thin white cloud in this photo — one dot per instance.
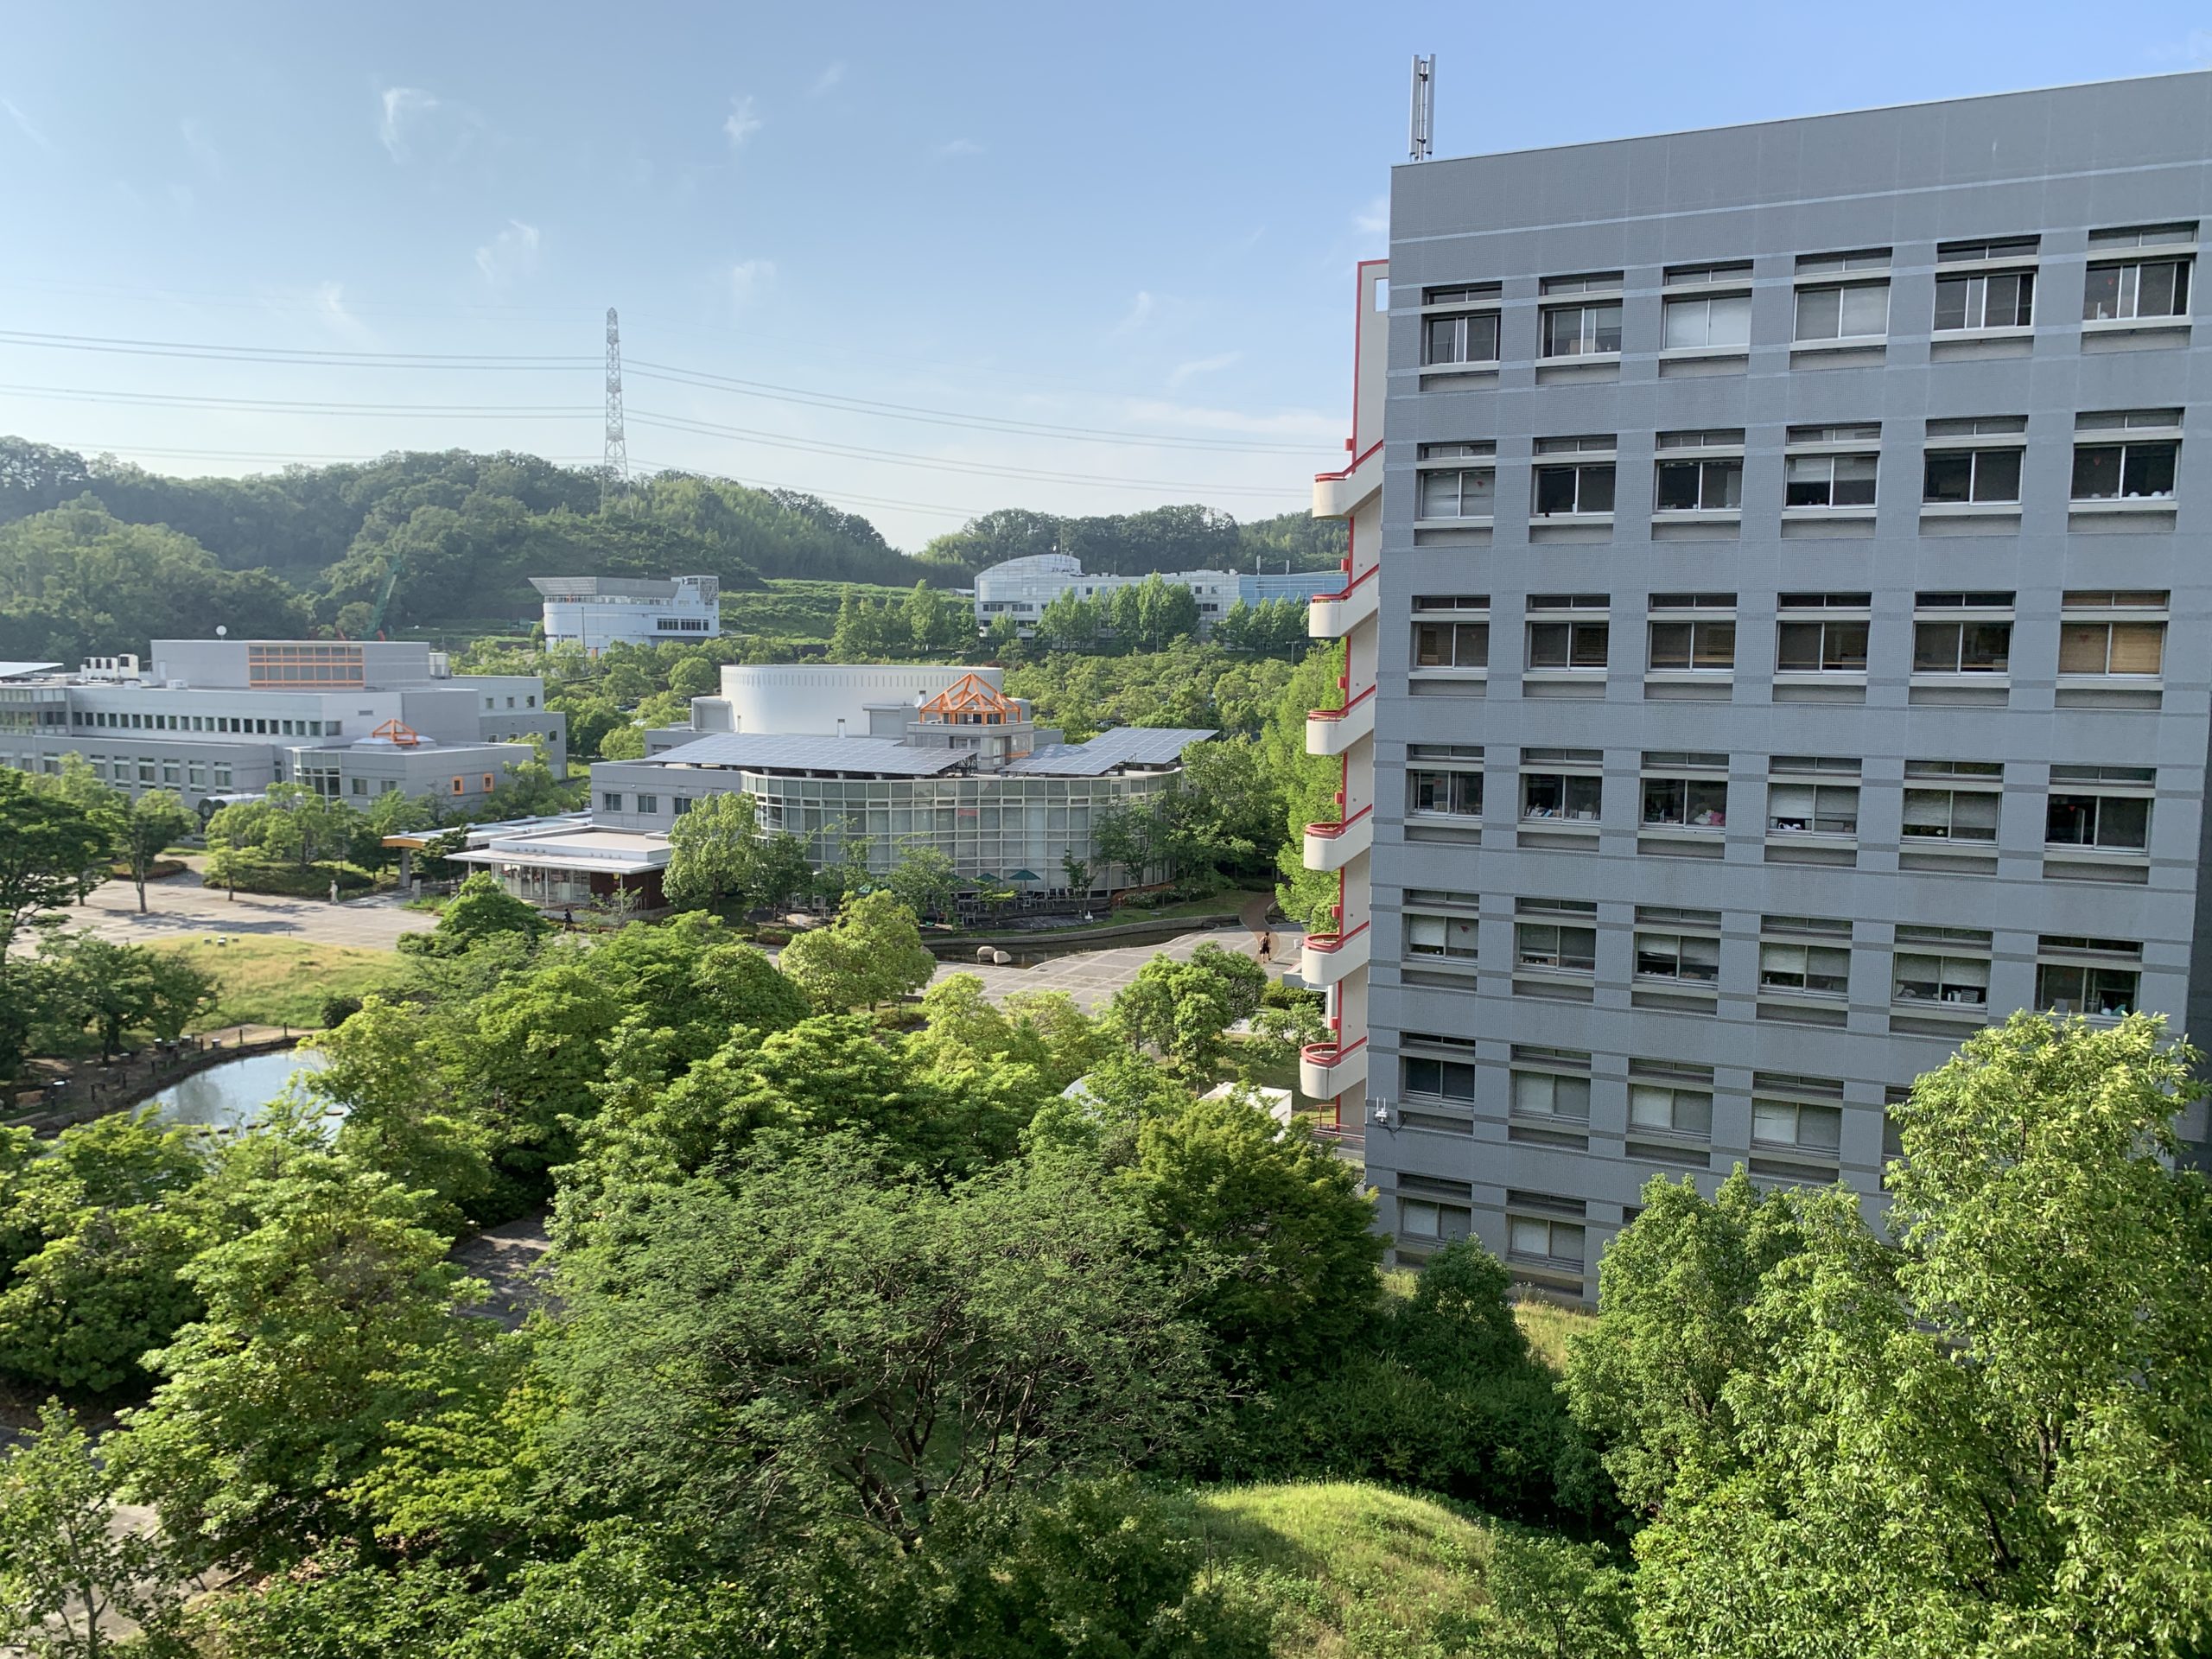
[1139, 314]
[1374, 219]
[25, 125]
[510, 255]
[329, 300]
[749, 279]
[2194, 49]
[201, 147]
[828, 79]
[1183, 371]
[958, 148]
[403, 108]
[743, 121]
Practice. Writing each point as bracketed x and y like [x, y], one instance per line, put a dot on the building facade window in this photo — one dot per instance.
[1582, 486]
[1708, 320]
[1805, 956]
[2139, 273]
[1428, 1223]
[1551, 1084]
[1438, 1079]
[1555, 935]
[1559, 639]
[1451, 335]
[2113, 633]
[1693, 634]
[2002, 299]
[1681, 947]
[1685, 790]
[1796, 1127]
[1544, 1243]
[1855, 308]
[1444, 780]
[1562, 784]
[1984, 471]
[1945, 965]
[2107, 808]
[1591, 325]
[1711, 481]
[1822, 634]
[2102, 978]
[1671, 1105]
[1830, 467]
[2127, 455]
[1441, 925]
[1952, 801]
[1463, 490]
[1812, 795]
[1962, 634]
[1451, 644]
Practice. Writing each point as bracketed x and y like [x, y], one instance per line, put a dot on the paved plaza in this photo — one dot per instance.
[179, 908]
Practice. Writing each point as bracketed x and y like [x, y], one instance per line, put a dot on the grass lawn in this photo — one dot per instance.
[282, 981]
[1548, 1325]
[1351, 1569]
[1230, 903]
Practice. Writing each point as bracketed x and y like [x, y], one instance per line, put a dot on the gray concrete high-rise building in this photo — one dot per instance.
[1781, 645]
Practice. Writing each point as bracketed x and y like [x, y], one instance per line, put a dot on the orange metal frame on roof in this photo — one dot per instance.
[971, 700]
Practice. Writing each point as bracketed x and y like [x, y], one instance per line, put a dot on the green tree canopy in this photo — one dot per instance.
[808, 1346]
[480, 908]
[1985, 1429]
[871, 953]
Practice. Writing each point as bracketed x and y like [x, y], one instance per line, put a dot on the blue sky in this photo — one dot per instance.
[1140, 218]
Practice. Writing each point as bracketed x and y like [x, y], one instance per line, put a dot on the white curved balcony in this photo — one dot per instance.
[1332, 731]
[1327, 1070]
[1332, 616]
[1332, 846]
[1326, 958]
[1335, 494]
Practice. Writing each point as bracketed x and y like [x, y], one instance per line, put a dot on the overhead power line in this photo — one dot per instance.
[315, 357]
[333, 357]
[955, 417]
[287, 406]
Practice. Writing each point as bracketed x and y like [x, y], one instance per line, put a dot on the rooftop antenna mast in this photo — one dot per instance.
[614, 470]
[1421, 135]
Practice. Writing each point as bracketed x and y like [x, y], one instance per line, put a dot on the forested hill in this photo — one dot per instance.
[96, 556]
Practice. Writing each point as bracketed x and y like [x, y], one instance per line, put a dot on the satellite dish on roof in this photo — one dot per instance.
[222, 631]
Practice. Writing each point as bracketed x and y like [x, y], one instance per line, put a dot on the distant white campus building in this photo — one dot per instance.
[1021, 589]
[212, 719]
[596, 612]
[890, 756]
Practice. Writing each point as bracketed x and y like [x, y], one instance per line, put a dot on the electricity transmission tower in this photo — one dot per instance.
[614, 470]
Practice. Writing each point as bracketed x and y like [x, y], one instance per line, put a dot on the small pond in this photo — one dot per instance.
[232, 1094]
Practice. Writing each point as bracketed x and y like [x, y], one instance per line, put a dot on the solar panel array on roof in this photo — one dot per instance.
[771, 752]
[18, 671]
[1141, 746]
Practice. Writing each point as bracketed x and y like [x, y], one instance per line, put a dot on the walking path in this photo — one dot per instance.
[179, 907]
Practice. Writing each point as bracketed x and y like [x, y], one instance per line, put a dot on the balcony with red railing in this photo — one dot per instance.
[1330, 846]
[1332, 731]
[1337, 495]
[1325, 958]
[1327, 1070]
[1332, 616]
